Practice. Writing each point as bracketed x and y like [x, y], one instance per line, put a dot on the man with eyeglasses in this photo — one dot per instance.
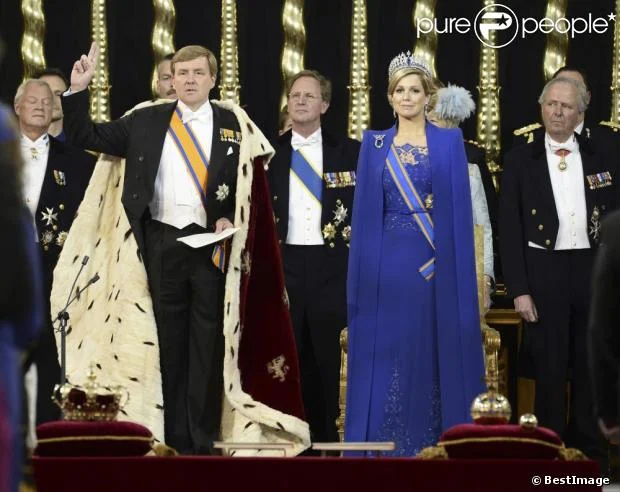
[312, 179]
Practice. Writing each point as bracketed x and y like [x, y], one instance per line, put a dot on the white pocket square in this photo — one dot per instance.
[534, 245]
[230, 151]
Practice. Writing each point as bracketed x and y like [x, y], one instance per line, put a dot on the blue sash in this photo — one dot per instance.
[311, 180]
[416, 206]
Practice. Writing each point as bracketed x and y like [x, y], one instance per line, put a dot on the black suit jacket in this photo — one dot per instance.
[528, 211]
[339, 156]
[604, 332]
[139, 138]
[67, 174]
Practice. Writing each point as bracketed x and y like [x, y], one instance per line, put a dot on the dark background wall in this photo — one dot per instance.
[328, 29]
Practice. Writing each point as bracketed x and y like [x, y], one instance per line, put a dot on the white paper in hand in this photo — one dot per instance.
[200, 240]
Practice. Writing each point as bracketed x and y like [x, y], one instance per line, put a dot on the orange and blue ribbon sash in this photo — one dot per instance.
[194, 157]
[415, 204]
[307, 174]
[198, 168]
[219, 256]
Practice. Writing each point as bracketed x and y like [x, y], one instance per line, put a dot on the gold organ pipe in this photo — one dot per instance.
[557, 43]
[488, 124]
[359, 90]
[100, 88]
[162, 39]
[229, 79]
[614, 117]
[426, 45]
[294, 42]
[33, 57]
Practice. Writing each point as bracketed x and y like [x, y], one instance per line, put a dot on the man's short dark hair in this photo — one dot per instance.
[573, 68]
[51, 71]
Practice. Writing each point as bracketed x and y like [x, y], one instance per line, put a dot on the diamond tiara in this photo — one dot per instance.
[407, 60]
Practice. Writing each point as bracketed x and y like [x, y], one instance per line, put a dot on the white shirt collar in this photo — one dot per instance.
[579, 127]
[298, 140]
[571, 144]
[40, 143]
[204, 113]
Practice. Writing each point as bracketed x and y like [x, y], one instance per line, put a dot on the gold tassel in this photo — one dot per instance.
[433, 453]
[161, 449]
[571, 454]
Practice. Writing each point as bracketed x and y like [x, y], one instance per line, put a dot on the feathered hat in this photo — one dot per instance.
[454, 103]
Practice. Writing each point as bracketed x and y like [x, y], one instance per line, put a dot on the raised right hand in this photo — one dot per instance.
[524, 305]
[84, 69]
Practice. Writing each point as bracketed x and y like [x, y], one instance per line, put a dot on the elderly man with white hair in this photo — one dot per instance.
[555, 191]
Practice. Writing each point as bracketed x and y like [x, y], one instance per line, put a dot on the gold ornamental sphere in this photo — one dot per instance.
[528, 421]
[491, 407]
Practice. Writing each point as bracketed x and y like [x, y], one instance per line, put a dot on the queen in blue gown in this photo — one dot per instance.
[415, 359]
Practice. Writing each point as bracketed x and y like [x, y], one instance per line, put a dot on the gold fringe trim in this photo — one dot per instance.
[502, 439]
[433, 453]
[94, 438]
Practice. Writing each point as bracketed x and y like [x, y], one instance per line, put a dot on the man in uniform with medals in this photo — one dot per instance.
[554, 193]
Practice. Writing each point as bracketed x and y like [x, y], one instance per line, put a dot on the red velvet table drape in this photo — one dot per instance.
[306, 474]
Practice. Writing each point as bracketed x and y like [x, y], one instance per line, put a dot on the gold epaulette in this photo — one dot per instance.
[527, 129]
[614, 126]
[475, 143]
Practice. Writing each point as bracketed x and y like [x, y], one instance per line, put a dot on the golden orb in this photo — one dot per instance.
[491, 408]
[528, 421]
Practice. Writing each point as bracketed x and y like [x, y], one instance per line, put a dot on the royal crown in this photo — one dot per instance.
[90, 401]
[407, 60]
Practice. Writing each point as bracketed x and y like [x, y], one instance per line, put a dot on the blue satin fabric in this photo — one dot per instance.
[415, 359]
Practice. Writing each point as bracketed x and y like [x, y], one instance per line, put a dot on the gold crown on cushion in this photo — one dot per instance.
[407, 60]
[91, 401]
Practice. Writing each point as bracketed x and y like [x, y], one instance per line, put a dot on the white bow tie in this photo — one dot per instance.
[298, 141]
[571, 145]
[191, 116]
[35, 149]
[39, 144]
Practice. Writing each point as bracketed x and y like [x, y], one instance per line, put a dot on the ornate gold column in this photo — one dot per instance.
[557, 43]
[426, 45]
[229, 56]
[488, 125]
[294, 42]
[359, 90]
[99, 87]
[163, 35]
[614, 116]
[33, 57]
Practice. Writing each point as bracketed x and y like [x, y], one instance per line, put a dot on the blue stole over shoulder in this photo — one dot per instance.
[461, 365]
